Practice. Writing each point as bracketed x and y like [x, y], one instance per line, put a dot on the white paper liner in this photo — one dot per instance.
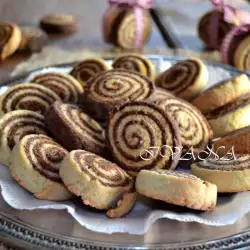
[228, 210]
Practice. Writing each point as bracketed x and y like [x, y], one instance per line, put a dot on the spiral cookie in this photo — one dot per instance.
[135, 62]
[194, 128]
[59, 23]
[10, 39]
[204, 28]
[35, 163]
[241, 57]
[113, 88]
[86, 69]
[74, 129]
[64, 85]
[228, 175]
[222, 93]
[27, 96]
[14, 126]
[238, 141]
[185, 79]
[230, 117]
[141, 136]
[98, 182]
[177, 188]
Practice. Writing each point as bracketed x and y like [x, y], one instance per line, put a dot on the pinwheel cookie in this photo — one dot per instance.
[141, 135]
[185, 79]
[64, 85]
[230, 117]
[177, 188]
[35, 163]
[98, 182]
[14, 126]
[74, 129]
[222, 93]
[27, 96]
[229, 175]
[10, 39]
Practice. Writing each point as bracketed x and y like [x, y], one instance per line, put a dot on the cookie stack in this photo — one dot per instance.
[105, 133]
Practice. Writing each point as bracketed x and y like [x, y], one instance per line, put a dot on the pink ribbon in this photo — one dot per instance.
[230, 14]
[138, 6]
[242, 30]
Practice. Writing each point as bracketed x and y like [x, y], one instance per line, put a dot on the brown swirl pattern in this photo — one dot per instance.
[44, 155]
[88, 68]
[240, 162]
[135, 63]
[27, 96]
[161, 93]
[139, 131]
[64, 85]
[203, 28]
[97, 168]
[84, 132]
[16, 124]
[179, 77]
[113, 88]
[194, 128]
[6, 30]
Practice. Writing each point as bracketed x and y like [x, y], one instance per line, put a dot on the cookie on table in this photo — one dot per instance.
[64, 85]
[185, 79]
[35, 163]
[230, 117]
[74, 129]
[26, 96]
[135, 62]
[140, 135]
[112, 88]
[228, 175]
[196, 133]
[88, 68]
[97, 181]
[238, 140]
[59, 23]
[14, 126]
[177, 188]
[241, 56]
[33, 39]
[222, 93]
[10, 39]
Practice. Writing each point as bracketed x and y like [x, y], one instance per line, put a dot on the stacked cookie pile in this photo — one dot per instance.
[107, 133]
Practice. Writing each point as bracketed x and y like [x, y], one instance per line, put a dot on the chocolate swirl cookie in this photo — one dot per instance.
[35, 163]
[27, 96]
[141, 135]
[194, 128]
[229, 175]
[64, 85]
[97, 181]
[185, 79]
[241, 57]
[114, 88]
[59, 23]
[14, 126]
[135, 62]
[88, 68]
[10, 39]
[74, 129]
[177, 188]
[222, 93]
[230, 117]
[204, 28]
